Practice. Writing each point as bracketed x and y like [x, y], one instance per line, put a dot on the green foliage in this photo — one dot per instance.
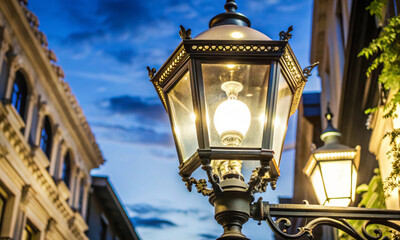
[385, 51]
[376, 8]
[392, 181]
[385, 54]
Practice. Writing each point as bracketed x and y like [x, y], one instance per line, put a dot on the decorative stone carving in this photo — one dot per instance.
[58, 70]
[3, 151]
[50, 225]
[26, 194]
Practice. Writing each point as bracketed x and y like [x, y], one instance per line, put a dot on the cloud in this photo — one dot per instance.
[143, 208]
[84, 37]
[133, 134]
[207, 236]
[145, 109]
[152, 222]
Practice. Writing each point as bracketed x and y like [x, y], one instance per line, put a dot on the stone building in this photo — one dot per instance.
[47, 148]
[107, 219]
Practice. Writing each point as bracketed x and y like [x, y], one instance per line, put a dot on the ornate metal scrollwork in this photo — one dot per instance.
[151, 71]
[185, 34]
[213, 179]
[285, 36]
[201, 186]
[258, 180]
[323, 217]
[307, 70]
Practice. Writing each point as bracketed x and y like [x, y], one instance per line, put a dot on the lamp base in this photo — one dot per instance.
[232, 208]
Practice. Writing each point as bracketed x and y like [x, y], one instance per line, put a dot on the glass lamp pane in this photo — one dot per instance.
[235, 97]
[183, 117]
[281, 117]
[316, 180]
[337, 178]
[353, 183]
[338, 202]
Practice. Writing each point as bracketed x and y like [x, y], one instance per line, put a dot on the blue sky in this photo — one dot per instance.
[104, 47]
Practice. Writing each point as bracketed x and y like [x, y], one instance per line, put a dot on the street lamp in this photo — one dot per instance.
[229, 93]
[332, 168]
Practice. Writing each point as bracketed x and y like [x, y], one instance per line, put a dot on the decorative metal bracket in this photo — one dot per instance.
[201, 186]
[151, 71]
[307, 70]
[185, 34]
[213, 179]
[260, 178]
[285, 36]
[323, 216]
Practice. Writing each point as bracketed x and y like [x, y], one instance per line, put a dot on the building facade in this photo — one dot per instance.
[107, 218]
[340, 30]
[46, 146]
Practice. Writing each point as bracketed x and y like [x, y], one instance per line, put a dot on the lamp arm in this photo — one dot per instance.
[323, 216]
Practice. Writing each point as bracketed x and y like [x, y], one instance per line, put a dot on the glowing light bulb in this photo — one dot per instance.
[232, 120]
[237, 35]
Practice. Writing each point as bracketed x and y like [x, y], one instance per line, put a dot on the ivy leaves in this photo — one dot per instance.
[385, 51]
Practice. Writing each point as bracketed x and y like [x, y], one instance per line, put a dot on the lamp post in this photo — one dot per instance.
[229, 93]
[331, 166]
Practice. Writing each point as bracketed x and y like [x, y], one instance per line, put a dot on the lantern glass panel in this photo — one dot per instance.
[318, 185]
[284, 102]
[338, 202]
[353, 183]
[183, 117]
[235, 99]
[337, 178]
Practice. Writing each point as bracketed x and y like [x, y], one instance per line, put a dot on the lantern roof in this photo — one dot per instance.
[232, 32]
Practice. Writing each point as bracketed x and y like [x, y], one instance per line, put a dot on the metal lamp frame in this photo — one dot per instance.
[233, 198]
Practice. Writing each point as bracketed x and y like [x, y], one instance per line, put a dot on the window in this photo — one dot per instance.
[66, 170]
[81, 195]
[30, 232]
[19, 94]
[103, 230]
[46, 137]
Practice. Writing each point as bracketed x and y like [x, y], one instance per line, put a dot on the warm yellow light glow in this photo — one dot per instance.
[334, 182]
[337, 178]
[237, 35]
[353, 184]
[318, 185]
[193, 116]
[230, 66]
[344, 202]
[335, 155]
[232, 115]
[396, 120]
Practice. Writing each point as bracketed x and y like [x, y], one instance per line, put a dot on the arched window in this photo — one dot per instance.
[19, 94]
[66, 170]
[46, 137]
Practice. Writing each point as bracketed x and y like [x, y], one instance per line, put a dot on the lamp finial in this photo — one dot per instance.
[330, 131]
[230, 17]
